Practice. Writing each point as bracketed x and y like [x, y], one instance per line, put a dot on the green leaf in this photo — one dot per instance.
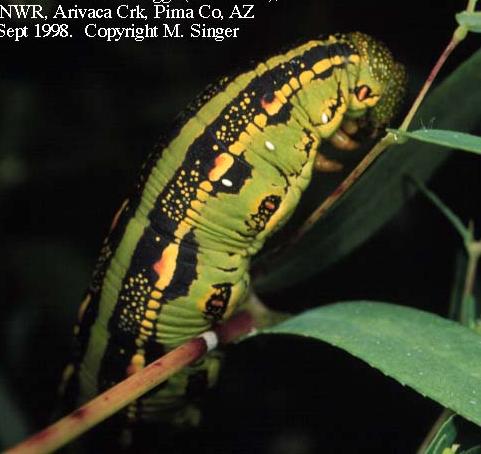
[379, 194]
[450, 139]
[437, 357]
[472, 21]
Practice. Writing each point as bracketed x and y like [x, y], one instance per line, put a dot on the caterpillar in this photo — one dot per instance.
[176, 259]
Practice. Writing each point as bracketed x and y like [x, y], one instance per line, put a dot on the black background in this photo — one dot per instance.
[78, 118]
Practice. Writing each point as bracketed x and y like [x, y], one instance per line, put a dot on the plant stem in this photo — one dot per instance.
[120, 395]
[471, 6]
[429, 81]
[474, 253]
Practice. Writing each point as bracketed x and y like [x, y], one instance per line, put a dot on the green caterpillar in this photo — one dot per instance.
[176, 261]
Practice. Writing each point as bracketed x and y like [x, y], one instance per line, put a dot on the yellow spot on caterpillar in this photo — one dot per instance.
[183, 226]
[192, 215]
[222, 164]
[286, 90]
[153, 304]
[337, 60]
[294, 83]
[202, 196]
[151, 315]
[155, 294]
[280, 96]
[252, 129]
[196, 205]
[236, 148]
[147, 324]
[244, 137]
[215, 147]
[138, 359]
[206, 186]
[136, 363]
[260, 120]
[322, 66]
[354, 58]
[305, 77]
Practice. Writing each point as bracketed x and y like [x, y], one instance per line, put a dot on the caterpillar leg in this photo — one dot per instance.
[343, 141]
[350, 127]
[323, 164]
[342, 138]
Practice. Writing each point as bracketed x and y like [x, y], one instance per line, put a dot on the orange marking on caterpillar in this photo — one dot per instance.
[271, 103]
[165, 267]
[222, 164]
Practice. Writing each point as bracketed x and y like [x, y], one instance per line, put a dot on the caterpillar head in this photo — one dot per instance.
[381, 83]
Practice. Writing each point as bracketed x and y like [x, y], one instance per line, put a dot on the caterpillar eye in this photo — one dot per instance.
[363, 92]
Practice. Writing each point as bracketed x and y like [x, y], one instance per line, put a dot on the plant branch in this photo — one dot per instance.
[120, 395]
[455, 40]
[474, 253]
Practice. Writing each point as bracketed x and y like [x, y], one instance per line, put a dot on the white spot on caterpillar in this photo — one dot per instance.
[211, 340]
[269, 145]
[324, 118]
[226, 182]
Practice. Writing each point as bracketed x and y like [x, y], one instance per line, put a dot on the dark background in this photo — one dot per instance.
[78, 117]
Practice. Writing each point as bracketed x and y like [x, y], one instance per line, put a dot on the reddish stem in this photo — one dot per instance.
[429, 81]
[120, 395]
